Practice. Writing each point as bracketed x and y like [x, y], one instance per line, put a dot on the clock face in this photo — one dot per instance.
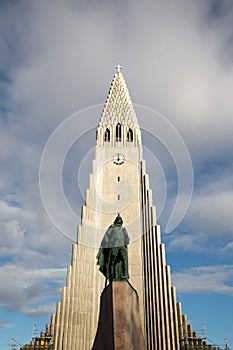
[118, 159]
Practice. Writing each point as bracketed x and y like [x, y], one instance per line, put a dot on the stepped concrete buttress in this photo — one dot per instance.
[119, 325]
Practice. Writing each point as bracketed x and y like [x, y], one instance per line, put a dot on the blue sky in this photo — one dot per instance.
[58, 58]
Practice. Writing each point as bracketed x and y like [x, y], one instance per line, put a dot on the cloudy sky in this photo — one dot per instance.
[58, 58]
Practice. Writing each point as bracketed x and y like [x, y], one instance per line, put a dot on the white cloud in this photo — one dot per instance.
[26, 237]
[48, 309]
[185, 242]
[3, 324]
[205, 279]
[211, 205]
[229, 247]
[215, 211]
[29, 289]
[207, 226]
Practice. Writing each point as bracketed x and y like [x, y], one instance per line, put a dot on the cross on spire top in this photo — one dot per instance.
[118, 68]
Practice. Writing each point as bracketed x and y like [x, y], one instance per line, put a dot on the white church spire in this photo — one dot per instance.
[118, 108]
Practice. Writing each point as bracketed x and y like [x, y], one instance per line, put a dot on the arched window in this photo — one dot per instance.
[107, 135]
[118, 132]
[130, 135]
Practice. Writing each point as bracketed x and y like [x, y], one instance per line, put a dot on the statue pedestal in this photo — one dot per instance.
[119, 324]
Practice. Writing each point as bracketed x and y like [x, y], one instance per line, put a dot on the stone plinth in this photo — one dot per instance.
[119, 325]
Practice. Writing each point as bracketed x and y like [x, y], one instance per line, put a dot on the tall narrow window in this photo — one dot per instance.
[130, 135]
[118, 197]
[107, 135]
[118, 178]
[118, 132]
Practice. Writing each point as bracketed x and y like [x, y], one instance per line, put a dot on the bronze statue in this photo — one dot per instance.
[113, 253]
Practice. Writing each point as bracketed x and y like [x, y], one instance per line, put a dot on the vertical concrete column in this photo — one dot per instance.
[67, 304]
[157, 325]
[165, 300]
[180, 326]
[70, 330]
[170, 308]
[62, 314]
[145, 261]
[57, 325]
[161, 296]
[175, 317]
[190, 333]
[154, 288]
[185, 330]
[52, 324]
[150, 304]
[77, 287]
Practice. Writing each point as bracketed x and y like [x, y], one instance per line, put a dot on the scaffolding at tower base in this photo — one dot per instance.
[43, 341]
[189, 339]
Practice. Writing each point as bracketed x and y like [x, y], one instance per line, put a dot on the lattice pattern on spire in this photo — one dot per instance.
[118, 107]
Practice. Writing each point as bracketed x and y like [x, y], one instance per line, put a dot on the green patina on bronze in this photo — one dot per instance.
[113, 253]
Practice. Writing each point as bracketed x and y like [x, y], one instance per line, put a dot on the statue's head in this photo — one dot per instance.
[118, 220]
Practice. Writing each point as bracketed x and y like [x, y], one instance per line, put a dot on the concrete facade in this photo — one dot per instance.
[113, 188]
[119, 184]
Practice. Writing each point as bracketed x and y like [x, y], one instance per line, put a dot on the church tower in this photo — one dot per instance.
[119, 184]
